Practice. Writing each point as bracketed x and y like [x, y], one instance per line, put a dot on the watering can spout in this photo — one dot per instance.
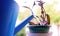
[19, 27]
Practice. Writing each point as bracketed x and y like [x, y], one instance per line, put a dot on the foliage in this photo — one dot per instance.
[54, 15]
[57, 19]
[21, 33]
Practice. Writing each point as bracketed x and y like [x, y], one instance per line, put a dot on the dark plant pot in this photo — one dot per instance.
[39, 28]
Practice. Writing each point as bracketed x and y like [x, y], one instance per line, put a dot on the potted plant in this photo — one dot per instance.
[43, 25]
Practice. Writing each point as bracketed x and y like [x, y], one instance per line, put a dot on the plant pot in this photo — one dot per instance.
[39, 28]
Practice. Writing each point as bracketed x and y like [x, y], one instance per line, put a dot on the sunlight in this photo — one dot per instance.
[57, 6]
[24, 3]
[54, 30]
[48, 1]
[35, 9]
[29, 3]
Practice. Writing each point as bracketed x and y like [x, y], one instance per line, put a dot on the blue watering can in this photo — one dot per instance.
[8, 16]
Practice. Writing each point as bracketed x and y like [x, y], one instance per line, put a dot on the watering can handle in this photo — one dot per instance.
[19, 27]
